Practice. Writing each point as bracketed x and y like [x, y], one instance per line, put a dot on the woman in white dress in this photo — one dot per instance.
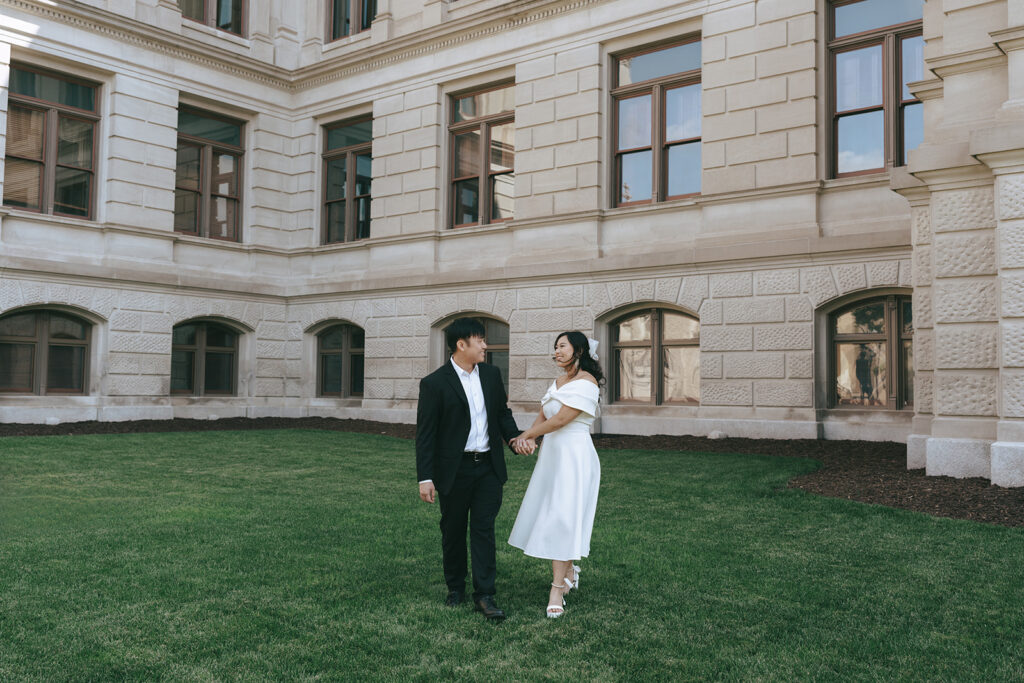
[556, 517]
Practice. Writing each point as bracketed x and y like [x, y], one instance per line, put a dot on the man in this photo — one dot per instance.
[462, 425]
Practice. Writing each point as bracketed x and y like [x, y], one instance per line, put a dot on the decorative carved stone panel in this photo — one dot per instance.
[965, 394]
[972, 347]
[965, 254]
[970, 209]
[967, 301]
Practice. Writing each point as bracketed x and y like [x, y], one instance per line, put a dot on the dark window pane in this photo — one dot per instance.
[193, 9]
[184, 335]
[362, 218]
[16, 366]
[907, 372]
[218, 373]
[860, 374]
[369, 13]
[503, 196]
[71, 191]
[355, 377]
[220, 336]
[225, 177]
[52, 89]
[683, 169]
[65, 368]
[908, 317]
[485, 104]
[868, 319]
[634, 374]
[913, 128]
[664, 62]
[336, 222]
[636, 177]
[679, 327]
[861, 137]
[351, 134]
[681, 374]
[186, 172]
[467, 154]
[74, 142]
[229, 16]
[64, 327]
[364, 173]
[186, 211]
[201, 126]
[913, 62]
[467, 201]
[22, 181]
[336, 177]
[859, 78]
[872, 14]
[20, 325]
[682, 113]
[635, 122]
[340, 18]
[330, 374]
[332, 338]
[25, 129]
[223, 217]
[637, 328]
[499, 359]
[182, 363]
[358, 338]
[496, 332]
[503, 147]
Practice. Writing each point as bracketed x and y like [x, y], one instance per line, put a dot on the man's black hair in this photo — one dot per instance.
[462, 328]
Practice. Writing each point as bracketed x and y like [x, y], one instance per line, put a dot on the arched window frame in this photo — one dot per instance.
[42, 342]
[200, 348]
[352, 353]
[658, 346]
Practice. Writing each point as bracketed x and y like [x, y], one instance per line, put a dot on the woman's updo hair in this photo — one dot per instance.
[581, 353]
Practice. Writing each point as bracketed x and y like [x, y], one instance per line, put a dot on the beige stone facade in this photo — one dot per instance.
[769, 249]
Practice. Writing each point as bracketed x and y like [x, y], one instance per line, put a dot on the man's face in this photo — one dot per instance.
[474, 349]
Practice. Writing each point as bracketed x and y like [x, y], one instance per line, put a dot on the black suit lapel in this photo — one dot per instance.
[456, 384]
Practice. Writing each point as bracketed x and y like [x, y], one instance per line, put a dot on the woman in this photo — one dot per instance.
[557, 514]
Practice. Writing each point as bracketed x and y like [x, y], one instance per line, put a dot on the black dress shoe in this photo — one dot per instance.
[454, 599]
[485, 604]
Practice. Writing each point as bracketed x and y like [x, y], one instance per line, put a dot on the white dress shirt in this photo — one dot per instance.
[478, 441]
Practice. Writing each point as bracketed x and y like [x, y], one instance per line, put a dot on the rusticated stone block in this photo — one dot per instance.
[534, 297]
[972, 347]
[504, 304]
[883, 273]
[959, 458]
[1007, 463]
[137, 385]
[719, 393]
[731, 284]
[819, 285]
[620, 293]
[396, 327]
[413, 305]
[731, 338]
[923, 392]
[567, 296]
[850, 277]
[1011, 197]
[596, 296]
[755, 365]
[10, 294]
[965, 394]
[643, 290]
[134, 342]
[778, 281]
[922, 307]
[970, 254]
[130, 321]
[1013, 345]
[955, 210]
[924, 349]
[467, 302]
[922, 266]
[791, 394]
[693, 291]
[440, 305]
[800, 365]
[756, 310]
[379, 388]
[967, 301]
[906, 273]
[784, 337]
[33, 292]
[711, 365]
[667, 289]
[799, 309]
[1013, 395]
[922, 225]
[1011, 245]
[710, 312]
[1013, 297]
[583, 320]
[556, 320]
[272, 331]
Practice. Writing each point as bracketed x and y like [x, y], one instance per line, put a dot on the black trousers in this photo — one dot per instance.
[474, 500]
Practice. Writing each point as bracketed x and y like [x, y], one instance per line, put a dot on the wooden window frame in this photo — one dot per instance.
[40, 353]
[893, 104]
[210, 17]
[655, 87]
[893, 338]
[199, 349]
[53, 112]
[349, 153]
[657, 345]
[355, 19]
[484, 124]
[207, 149]
[346, 352]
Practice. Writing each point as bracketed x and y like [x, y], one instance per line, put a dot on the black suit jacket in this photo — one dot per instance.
[443, 424]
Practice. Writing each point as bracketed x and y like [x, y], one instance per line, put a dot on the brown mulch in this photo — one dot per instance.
[865, 471]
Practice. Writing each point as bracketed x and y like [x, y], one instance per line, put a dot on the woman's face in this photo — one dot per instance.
[563, 352]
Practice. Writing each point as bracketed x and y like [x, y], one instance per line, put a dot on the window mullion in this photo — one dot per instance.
[46, 201]
[657, 140]
[889, 103]
[350, 192]
[199, 367]
[655, 357]
[205, 185]
[485, 176]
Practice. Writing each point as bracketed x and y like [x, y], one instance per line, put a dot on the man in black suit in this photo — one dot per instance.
[462, 425]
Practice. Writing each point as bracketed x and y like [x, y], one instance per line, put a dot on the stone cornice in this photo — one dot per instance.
[966, 62]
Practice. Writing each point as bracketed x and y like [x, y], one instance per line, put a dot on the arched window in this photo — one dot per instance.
[656, 358]
[340, 367]
[204, 359]
[44, 352]
[872, 360]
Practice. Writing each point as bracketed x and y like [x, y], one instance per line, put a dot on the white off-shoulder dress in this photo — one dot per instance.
[556, 518]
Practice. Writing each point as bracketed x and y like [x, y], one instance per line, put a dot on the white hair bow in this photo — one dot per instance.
[593, 347]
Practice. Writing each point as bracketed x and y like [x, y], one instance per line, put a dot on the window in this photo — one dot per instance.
[223, 14]
[657, 358]
[657, 122]
[50, 161]
[347, 177]
[483, 155]
[43, 352]
[204, 359]
[207, 178]
[872, 363]
[876, 48]
[496, 335]
[340, 370]
[348, 17]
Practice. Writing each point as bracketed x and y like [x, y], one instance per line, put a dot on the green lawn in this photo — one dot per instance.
[308, 555]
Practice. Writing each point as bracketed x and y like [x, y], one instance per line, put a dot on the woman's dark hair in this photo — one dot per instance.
[581, 353]
[462, 328]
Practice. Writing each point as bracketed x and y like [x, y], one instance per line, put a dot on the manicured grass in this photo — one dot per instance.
[307, 555]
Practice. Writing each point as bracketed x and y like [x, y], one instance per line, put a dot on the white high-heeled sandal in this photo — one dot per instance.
[555, 611]
[575, 577]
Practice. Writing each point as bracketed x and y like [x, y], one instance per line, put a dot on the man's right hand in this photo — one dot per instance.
[427, 492]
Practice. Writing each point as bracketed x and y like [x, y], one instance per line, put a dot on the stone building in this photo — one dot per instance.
[781, 218]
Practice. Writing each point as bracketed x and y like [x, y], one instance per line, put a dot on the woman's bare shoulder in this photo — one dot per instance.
[583, 374]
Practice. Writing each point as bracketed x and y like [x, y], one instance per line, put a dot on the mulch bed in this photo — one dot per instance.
[865, 471]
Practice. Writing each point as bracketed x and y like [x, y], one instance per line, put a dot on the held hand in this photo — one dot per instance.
[427, 492]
